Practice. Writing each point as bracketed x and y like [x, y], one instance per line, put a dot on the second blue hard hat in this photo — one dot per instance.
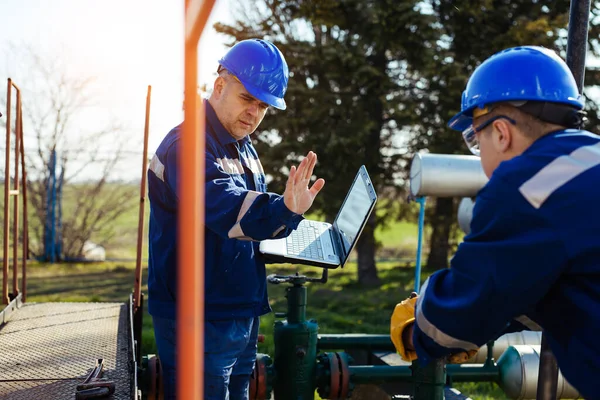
[261, 68]
[526, 73]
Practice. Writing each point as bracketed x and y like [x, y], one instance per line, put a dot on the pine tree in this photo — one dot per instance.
[373, 82]
[469, 32]
[351, 66]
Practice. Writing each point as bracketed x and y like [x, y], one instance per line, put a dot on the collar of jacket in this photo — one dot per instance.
[221, 134]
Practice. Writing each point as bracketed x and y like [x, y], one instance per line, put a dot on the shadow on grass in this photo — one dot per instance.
[109, 285]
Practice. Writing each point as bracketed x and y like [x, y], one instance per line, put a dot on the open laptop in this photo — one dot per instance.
[322, 244]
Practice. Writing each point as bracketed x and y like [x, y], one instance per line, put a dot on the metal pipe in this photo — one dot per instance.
[465, 214]
[504, 342]
[52, 210]
[577, 39]
[369, 374]
[373, 342]
[379, 374]
[190, 302]
[137, 290]
[15, 261]
[25, 218]
[446, 175]
[429, 380]
[5, 298]
[519, 371]
[296, 301]
[190, 307]
[421, 201]
[357, 341]
[473, 372]
[548, 373]
[489, 358]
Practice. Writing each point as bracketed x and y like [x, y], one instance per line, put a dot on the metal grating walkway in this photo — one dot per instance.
[46, 349]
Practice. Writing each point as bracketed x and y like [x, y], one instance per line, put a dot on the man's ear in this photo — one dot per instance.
[502, 135]
[218, 87]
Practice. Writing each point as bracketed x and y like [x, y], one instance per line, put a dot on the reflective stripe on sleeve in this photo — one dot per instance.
[434, 332]
[236, 232]
[157, 167]
[558, 173]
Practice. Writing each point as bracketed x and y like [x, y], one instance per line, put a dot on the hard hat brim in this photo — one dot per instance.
[261, 95]
[461, 121]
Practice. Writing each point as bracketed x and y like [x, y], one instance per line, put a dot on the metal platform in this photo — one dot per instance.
[46, 349]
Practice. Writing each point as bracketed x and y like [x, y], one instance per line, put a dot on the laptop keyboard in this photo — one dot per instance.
[302, 241]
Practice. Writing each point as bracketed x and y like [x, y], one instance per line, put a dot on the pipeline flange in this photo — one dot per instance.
[260, 380]
[336, 385]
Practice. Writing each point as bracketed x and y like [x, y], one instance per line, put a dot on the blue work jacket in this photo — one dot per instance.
[238, 213]
[533, 256]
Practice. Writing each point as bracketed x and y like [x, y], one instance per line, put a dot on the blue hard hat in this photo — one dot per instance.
[261, 68]
[527, 73]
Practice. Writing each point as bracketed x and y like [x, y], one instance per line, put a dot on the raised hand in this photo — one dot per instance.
[298, 197]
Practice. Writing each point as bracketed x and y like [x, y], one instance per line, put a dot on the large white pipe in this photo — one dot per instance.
[504, 342]
[465, 214]
[519, 366]
[446, 175]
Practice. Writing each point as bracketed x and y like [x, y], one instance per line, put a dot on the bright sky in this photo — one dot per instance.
[125, 44]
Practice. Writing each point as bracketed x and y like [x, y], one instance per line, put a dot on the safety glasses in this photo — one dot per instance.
[470, 134]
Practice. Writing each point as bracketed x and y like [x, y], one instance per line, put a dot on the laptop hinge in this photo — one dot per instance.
[341, 253]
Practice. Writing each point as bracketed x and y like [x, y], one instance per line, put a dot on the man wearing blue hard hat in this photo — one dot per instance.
[239, 211]
[532, 258]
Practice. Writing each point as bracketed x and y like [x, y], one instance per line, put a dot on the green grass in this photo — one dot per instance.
[339, 306]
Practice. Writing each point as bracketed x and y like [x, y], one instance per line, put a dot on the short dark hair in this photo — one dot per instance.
[530, 125]
[554, 113]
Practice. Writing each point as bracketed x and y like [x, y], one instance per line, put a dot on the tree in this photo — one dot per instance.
[352, 69]
[59, 117]
[469, 32]
[374, 82]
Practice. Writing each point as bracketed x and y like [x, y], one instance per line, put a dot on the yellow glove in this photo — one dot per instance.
[402, 318]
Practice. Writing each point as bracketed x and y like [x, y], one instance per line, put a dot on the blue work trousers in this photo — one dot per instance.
[229, 356]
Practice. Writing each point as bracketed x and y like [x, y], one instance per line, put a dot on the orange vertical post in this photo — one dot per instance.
[5, 298]
[137, 290]
[25, 218]
[15, 191]
[15, 263]
[190, 311]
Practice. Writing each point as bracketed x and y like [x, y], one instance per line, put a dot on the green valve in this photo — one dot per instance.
[295, 350]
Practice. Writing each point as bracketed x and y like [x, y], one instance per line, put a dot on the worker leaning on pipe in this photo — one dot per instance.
[532, 258]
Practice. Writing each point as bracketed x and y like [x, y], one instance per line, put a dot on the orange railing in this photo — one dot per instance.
[138, 297]
[14, 193]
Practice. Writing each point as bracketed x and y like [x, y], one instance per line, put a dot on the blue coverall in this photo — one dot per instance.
[532, 258]
[239, 212]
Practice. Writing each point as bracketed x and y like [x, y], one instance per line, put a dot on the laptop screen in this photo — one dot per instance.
[355, 210]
